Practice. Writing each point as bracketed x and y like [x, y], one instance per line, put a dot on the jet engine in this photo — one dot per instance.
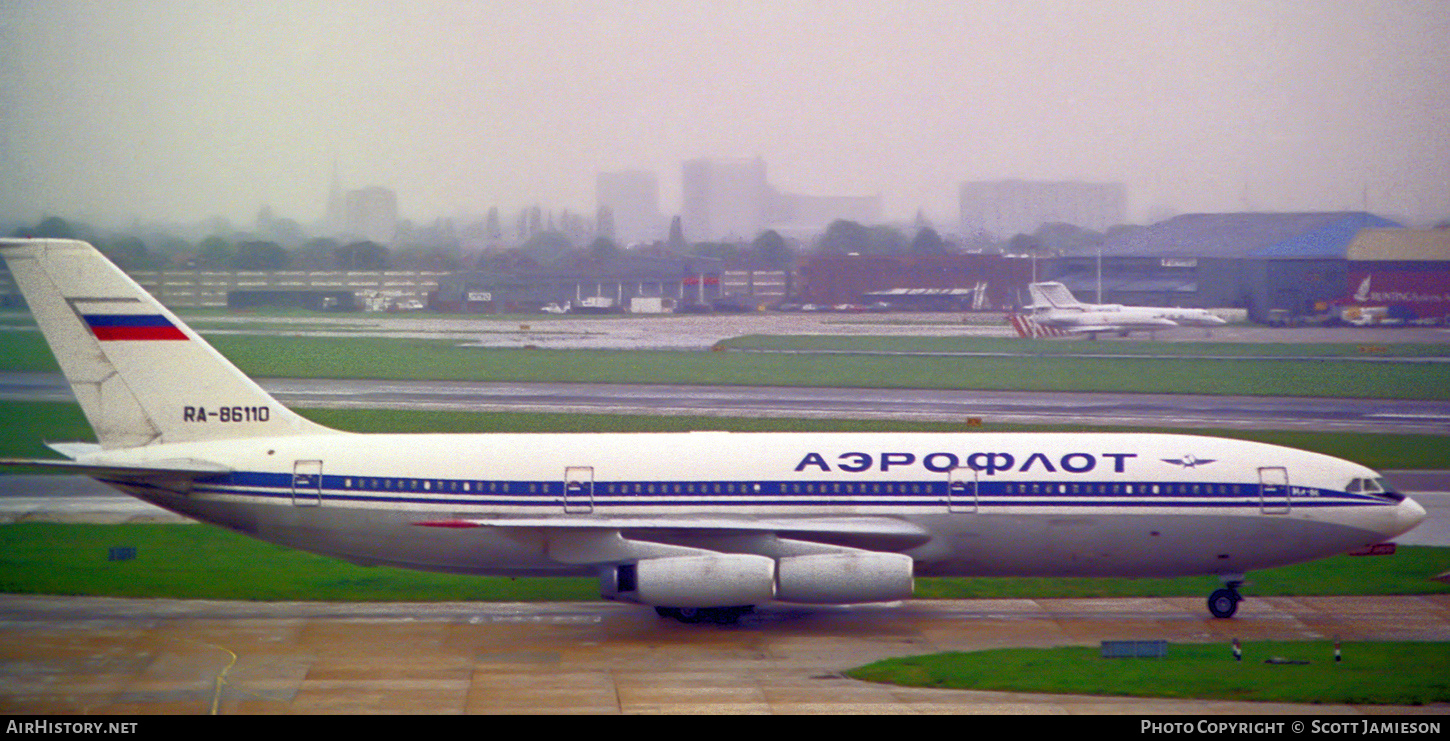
[844, 578]
[696, 581]
[742, 579]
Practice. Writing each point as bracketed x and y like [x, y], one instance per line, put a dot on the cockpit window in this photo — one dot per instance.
[1387, 491]
[1376, 486]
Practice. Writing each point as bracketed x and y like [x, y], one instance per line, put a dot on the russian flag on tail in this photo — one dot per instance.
[111, 327]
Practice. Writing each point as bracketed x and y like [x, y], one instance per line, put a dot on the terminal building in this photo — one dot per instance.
[581, 282]
[914, 282]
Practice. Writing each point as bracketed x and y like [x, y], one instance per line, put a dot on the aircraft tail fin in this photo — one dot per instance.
[1052, 294]
[140, 374]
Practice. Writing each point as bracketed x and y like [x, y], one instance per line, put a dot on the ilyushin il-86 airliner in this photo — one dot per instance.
[702, 526]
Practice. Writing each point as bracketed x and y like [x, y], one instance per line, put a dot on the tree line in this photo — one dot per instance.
[769, 250]
[167, 252]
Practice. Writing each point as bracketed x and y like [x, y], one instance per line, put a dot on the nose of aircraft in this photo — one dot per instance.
[1408, 514]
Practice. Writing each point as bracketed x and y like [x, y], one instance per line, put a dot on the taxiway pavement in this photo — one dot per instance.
[1000, 407]
[131, 657]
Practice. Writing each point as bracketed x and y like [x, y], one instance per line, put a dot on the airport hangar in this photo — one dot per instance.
[1275, 266]
[1271, 265]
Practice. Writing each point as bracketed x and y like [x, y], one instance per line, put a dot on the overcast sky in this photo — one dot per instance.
[177, 111]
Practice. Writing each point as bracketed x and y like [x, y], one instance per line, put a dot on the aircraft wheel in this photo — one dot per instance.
[689, 615]
[1223, 603]
[667, 612]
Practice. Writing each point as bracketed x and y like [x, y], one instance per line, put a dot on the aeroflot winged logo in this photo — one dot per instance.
[1188, 461]
[111, 327]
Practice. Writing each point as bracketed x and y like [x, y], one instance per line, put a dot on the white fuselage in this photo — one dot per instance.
[1113, 317]
[969, 504]
[1054, 306]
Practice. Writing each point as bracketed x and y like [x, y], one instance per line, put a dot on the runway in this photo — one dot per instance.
[1001, 407]
[134, 657]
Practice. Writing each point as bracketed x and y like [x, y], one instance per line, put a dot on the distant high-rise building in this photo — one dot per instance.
[365, 213]
[724, 199]
[1005, 208]
[372, 214]
[336, 205]
[633, 200]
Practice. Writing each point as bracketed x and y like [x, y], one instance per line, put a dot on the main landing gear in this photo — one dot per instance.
[1223, 603]
[716, 615]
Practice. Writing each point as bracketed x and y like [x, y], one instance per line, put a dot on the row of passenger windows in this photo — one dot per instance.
[1204, 489]
[504, 487]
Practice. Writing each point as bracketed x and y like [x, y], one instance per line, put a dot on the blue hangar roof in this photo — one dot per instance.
[1246, 235]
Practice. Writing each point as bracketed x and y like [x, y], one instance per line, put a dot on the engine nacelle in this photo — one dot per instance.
[724, 580]
[844, 578]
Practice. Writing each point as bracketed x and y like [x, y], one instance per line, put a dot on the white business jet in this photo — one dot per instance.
[1060, 313]
[701, 526]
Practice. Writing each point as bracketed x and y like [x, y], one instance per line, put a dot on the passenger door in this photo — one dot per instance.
[1274, 490]
[578, 490]
[307, 483]
[962, 490]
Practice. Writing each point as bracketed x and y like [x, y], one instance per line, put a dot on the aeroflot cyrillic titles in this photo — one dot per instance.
[988, 463]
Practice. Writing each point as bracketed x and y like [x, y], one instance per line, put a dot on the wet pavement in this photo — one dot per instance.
[130, 657]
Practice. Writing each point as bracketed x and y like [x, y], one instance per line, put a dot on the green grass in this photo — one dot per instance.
[201, 562]
[415, 359]
[1408, 571]
[1372, 673]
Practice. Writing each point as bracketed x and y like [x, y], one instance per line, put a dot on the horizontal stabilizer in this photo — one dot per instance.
[74, 450]
[179, 469]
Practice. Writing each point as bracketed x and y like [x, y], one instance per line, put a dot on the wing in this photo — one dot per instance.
[1094, 328]
[701, 561]
[623, 538]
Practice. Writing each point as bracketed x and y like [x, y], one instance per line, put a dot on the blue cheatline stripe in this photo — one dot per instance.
[548, 500]
[339, 488]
